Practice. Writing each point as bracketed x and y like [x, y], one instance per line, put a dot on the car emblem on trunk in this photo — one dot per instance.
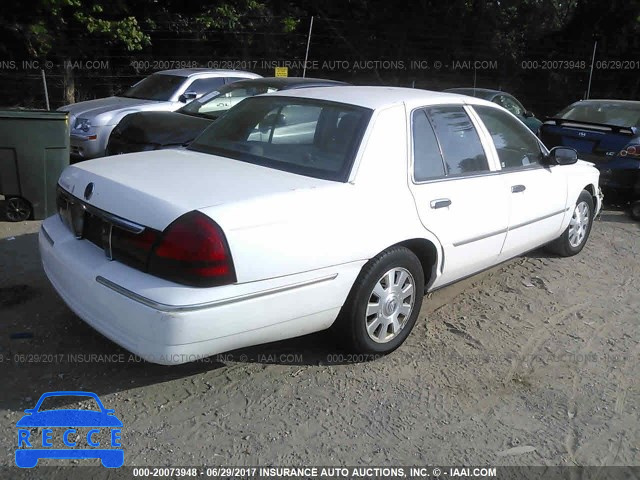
[88, 191]
[582, 134]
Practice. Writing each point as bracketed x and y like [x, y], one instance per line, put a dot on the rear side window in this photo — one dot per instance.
[427, 160]
[459, 141]
[516, 145]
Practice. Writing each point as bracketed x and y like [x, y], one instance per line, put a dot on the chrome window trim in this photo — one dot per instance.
[163, 307]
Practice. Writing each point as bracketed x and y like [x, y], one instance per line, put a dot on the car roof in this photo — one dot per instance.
[284, 83]
[485, 93]
[190, 72]
[378, 97]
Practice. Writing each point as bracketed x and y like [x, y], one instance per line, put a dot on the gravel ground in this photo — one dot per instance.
[534, 362]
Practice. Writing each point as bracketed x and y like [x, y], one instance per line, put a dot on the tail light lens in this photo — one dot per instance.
[630, 151]
[193, 250]
[133, 249]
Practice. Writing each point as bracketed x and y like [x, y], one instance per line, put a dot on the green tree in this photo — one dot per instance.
[73, 29]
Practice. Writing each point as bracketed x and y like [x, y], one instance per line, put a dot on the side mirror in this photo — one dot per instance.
[563, 156]
[30, 410]
[109, 411]
[188, 96]
[528, 114]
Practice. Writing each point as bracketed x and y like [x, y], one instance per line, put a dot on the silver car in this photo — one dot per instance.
[91, 122]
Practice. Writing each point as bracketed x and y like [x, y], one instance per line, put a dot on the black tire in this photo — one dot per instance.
[17, 209]
[351, 325]
[635, 210]
[563, 245]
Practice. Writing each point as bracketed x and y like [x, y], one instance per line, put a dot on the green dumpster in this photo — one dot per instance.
[34, 149]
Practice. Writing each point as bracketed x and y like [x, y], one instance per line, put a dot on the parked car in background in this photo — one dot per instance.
[505, 100]
[305, 209]
[91, 122]
[607, 133]
[142, 131]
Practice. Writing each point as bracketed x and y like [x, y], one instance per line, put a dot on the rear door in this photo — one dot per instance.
[537, 193]
[458, 195]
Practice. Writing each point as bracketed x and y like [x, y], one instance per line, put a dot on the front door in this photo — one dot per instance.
[538, 193]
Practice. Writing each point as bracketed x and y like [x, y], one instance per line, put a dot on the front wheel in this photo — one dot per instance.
[574, 238]
[384, 303]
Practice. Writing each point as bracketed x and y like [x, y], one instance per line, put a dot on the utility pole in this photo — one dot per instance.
[306, 55]
[593, 61]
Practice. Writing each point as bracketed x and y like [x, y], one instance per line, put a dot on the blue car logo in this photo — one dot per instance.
[69, 433]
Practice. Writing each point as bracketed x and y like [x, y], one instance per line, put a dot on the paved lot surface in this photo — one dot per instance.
[534, 362]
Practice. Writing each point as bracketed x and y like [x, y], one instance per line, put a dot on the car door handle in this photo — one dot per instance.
[518, 188]
[440, 203]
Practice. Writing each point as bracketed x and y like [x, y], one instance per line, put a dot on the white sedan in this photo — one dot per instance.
[307, 209]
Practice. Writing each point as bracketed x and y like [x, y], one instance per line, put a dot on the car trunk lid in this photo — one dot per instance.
[155, 188]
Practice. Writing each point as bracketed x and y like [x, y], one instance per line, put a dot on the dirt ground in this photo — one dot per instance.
[534, 362]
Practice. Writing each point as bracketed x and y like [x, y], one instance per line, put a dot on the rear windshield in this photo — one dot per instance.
[618, 114]
[315, 138]
[155, 87]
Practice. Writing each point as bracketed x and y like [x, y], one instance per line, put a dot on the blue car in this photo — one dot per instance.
[29, 452]
[607, 133]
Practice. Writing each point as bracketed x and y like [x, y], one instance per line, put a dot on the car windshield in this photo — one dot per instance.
[214, 104]
[59, 402]
[155, 87]
[315, 138]
[617, 114]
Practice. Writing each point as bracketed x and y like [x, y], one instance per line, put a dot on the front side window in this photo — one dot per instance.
[158, 86]
[459, 141]
[309, 137]
[517, 147]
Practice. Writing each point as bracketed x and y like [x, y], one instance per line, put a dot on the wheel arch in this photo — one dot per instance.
[427, 253]
[593, 190]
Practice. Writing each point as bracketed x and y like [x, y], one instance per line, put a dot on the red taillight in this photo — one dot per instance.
[193, 251]
[133, 249]
[630, 151]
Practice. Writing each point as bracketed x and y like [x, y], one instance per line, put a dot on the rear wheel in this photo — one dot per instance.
[384, 303]
[17, 209]
[574, 238]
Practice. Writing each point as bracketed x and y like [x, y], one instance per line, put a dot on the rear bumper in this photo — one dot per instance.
[167, 323]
